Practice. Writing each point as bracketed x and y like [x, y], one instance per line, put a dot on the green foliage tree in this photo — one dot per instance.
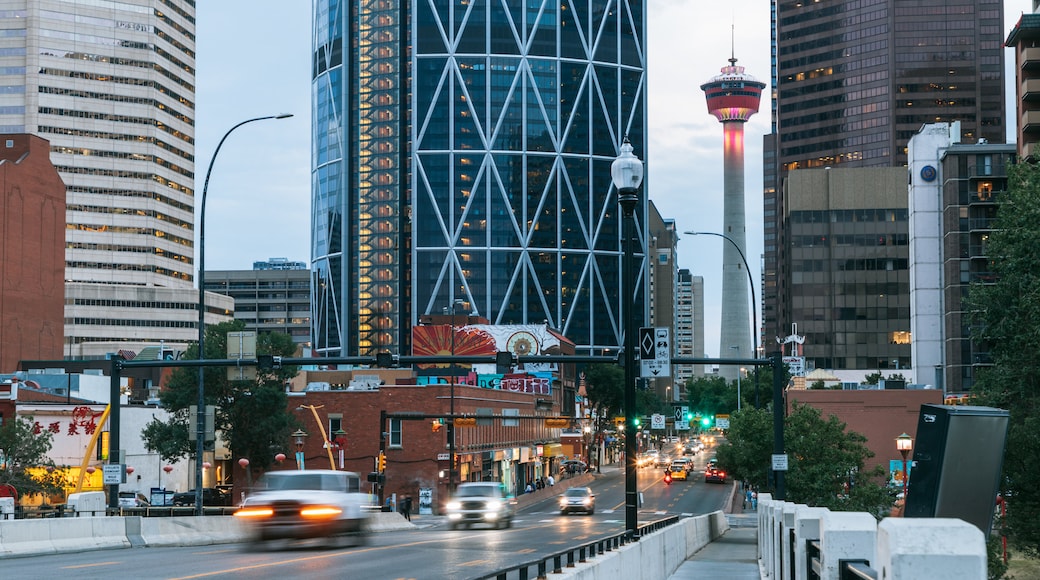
[24, 453]
[711, 395]
[604, 384]
[823, 458]
[1005, 319]
[252, 415]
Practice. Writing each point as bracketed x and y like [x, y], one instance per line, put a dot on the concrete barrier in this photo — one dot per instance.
[655, 555]
[53, 535]
[184, 530]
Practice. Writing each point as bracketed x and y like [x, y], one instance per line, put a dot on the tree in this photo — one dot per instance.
[711, 395]
[252, 415]
[1005, 317]
[26, 465]
[604, 384]
[823, 459]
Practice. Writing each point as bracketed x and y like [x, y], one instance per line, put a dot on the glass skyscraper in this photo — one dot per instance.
[462, 151]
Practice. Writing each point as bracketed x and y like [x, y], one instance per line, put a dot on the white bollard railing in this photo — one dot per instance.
[918, 548]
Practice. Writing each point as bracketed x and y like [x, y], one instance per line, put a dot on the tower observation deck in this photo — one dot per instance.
[733, 97]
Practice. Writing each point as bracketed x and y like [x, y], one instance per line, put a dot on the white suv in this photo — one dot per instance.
[483, 502]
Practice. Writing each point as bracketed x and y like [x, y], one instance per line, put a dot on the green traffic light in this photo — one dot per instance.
[706, 421]
[636, 421]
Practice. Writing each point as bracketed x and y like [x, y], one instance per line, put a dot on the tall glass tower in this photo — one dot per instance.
[462, 151]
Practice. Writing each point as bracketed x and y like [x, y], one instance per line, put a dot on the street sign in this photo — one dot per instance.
[722, 421]
[682, 425]
[680, 413]
[780, 462]
[657, 421]
[111, 474]
[655, 352]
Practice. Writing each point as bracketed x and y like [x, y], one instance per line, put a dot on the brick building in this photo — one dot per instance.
[879, 415]
[32, 252]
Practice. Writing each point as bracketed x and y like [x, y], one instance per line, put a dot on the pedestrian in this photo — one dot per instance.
[407, 508]
[754, 500]
[747, 498]
[552, 481]
[529, 488]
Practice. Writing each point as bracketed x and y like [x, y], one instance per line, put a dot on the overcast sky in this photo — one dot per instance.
[253, 60]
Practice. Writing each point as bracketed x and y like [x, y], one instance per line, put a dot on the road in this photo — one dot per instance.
[432, 552]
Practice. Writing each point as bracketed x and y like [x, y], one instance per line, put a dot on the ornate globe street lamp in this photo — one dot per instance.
[627, 174]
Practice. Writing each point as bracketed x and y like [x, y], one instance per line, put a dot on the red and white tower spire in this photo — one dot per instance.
[733, 97]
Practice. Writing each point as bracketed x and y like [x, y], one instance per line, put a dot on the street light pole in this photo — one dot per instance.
[626, 172]
[200, 426]
[904, 443]
[754, 303]
[451, 412]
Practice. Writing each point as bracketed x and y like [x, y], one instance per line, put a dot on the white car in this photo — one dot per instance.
[317, 503]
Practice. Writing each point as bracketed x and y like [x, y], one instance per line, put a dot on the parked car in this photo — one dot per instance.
[315, 503]
[481, 502]
[578, 499]
[714, 475]
[210, 496]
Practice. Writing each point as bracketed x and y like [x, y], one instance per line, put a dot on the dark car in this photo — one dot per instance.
[714, 475]
[210, 496]
[578, 499]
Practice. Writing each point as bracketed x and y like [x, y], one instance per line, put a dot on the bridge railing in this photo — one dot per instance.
[798, 542]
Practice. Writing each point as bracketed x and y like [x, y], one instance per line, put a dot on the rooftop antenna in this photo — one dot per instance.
[732, 45]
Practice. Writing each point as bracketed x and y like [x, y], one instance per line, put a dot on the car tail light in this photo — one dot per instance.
[320, 512]
[254, 512]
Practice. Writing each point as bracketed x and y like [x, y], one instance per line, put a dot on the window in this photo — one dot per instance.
[395, 433]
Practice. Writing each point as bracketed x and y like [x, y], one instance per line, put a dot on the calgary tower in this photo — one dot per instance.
[733, 97]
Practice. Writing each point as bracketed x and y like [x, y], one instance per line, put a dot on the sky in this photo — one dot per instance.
[253, 60]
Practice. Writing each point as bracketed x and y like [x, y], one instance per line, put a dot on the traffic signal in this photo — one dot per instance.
[636, 421]
[437, 425]
[382, 462]
[706, 421]
[689, 416]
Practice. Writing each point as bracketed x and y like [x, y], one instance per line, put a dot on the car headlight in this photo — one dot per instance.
[587, 501]
[563, 501]
[320, 512]
[454, 505]
[251, 513]
[493, 505]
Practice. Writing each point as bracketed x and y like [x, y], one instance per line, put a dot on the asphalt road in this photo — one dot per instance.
[432, 551]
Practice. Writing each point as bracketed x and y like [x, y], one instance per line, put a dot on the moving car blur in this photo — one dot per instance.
[316, 503]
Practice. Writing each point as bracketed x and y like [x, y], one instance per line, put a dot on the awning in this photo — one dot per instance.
[552, 450]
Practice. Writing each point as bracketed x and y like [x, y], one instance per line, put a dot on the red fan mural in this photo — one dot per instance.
[436, 340]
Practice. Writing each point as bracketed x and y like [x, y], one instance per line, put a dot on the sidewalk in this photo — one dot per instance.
[732, 556]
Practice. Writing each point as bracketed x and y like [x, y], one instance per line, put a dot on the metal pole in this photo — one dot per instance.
[200, 423]
[778, 419]
[627, 199]
[754, 302]
[113, 423]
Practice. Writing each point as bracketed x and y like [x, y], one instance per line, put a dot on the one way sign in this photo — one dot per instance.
[655, 353]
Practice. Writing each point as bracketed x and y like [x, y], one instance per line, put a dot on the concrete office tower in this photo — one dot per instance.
[853, 82]
[733, 96]
[111, 86]
[462, 151]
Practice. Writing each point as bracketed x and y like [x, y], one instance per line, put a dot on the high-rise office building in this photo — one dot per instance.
[1023, 39]
[272, 297]
[954, 192]
[850, 281]
[111, 85]
[855, 80]
[462, 151]
[689, 324]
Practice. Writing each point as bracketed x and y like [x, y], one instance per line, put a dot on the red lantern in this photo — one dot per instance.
[129, 470]
[243, 462]
[280, 457]
[167, 468]
[91, 469]
[206, 465]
